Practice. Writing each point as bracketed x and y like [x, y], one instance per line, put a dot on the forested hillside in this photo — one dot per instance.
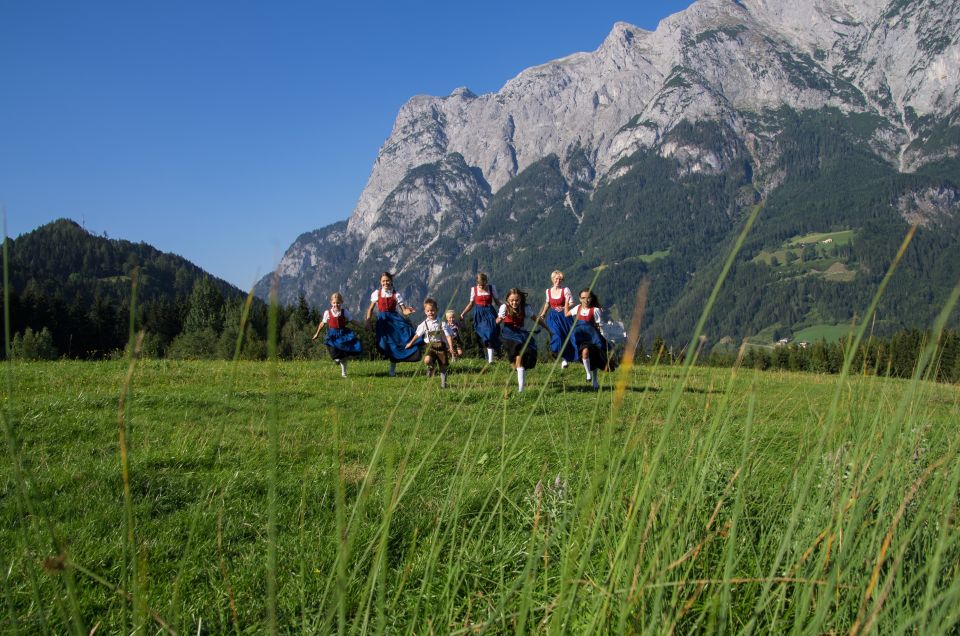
[78, 286]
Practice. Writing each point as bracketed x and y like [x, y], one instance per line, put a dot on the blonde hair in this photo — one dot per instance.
[336, 295]
[449, 313]
[557, 272]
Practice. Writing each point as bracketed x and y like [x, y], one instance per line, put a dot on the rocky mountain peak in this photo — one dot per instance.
[729, 63]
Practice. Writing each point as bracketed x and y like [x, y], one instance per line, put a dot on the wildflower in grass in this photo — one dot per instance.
[549, 501]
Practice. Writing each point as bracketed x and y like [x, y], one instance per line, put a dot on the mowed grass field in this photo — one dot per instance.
[280, 497]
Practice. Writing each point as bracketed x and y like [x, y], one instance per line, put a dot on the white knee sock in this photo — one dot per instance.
[586, 365]
[343, 368]
[489, 355]
[443, 379]
[521, 372]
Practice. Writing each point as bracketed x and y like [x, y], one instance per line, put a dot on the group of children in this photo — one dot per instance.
[575, 329]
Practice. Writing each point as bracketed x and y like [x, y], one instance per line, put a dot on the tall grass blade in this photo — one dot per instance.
[273, 431]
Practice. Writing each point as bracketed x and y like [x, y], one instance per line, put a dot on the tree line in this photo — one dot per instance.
[896, 356]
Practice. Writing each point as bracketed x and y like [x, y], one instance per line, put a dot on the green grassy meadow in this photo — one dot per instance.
[830, 333]
[840, 238]
[264, 496]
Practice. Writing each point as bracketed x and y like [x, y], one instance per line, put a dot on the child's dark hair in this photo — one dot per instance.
[523, 300]
[387, 274]
[430, 301]
[594, 301]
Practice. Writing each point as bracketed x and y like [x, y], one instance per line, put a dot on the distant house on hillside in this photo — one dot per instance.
[615, 332]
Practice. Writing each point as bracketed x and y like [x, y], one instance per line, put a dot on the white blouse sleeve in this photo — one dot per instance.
[473, 293]
[326, 317]
[502, 312]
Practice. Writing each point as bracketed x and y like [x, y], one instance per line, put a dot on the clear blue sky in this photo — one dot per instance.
[223, 130]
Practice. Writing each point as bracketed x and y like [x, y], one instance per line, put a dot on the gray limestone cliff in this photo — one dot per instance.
[726, 61]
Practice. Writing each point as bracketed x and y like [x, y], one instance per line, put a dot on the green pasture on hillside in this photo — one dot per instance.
[815, 333]
[789, 254]
[840, 238]
[280, 497]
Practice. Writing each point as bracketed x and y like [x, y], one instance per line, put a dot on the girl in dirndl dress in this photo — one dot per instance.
[589, 339]
[558, 301]
[520, 346]
[341, 342]
[483, 299]
[392, 330]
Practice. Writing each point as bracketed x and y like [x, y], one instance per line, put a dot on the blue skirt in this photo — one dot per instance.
[393, 332]
[560, 326]
[485, 324]
[588, 337]
[342, 343]
[517, 342]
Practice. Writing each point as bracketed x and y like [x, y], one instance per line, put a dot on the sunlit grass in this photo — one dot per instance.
[401, 507]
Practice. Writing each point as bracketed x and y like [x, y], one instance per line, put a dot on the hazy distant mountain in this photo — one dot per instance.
[840, 117]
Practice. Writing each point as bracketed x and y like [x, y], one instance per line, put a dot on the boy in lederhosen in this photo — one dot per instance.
[438, 345]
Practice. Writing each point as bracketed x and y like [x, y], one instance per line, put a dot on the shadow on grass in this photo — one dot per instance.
[692, 389]
[586, 388]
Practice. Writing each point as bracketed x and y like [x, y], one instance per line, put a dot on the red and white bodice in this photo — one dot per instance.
[336, 320]
[589, 315]
[560, 302]
[514, 321]
[482, 297]
[387, 300]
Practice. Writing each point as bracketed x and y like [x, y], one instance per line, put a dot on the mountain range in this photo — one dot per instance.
[642, 160]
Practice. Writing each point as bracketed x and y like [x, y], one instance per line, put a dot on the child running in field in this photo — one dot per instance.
[437, 341]
[483, 299]
[341, 341]
[558, 301]
[520, 347]
[392, 330]
[452, 328]
[589, 339]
